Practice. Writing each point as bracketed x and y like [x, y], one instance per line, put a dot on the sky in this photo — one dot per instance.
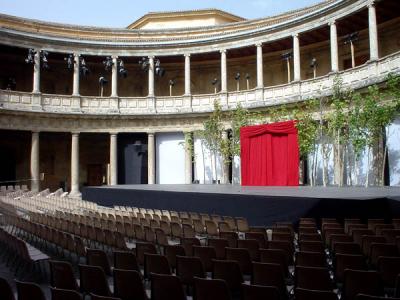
[121, 13]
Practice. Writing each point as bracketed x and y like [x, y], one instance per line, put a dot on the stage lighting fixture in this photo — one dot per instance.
[287, 55]
[70, 61]
[159, 71]
[144, 63]
[83, 69]
[121, 69]
[215, 81]
[313, 62]
[30, 59]
[102, 80]
[350, 38]
[108, 63]
[247, 76]
[45, 62]
[171, 82]
[237, 76]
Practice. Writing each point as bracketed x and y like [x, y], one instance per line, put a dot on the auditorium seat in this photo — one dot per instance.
[29, 291]
[128, 284]
[211, 289]
[166, 287]
[206, 255]
[219, 246]
[242, 257]
[97, 297]
[342, 262]
[125, 260]
[258, 292]
[364, 282]
[346, 248]
[388, 268]
[171, 251]
[381, 249]
[5, 290]
[310, 259]
[230, 272]
[275, 256]
[189, 267]
[188, 243]
[61, 294]
[93, 280]
[259, 236]
[253, 246]
[368, 297]
[156, 263]
[268, 274]
[312, 246]
[97, 257]
[62, 275]
[307, 294]
[141, 249]
[313, 278]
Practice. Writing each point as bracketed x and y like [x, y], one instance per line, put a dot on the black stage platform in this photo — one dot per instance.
[260, 205]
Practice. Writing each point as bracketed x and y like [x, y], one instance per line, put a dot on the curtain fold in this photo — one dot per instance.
[270, 154]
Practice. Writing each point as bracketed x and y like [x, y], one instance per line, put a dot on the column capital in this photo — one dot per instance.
[151, 57]
[186, 54]
[114, 56]
[35, 131]
[151, 133]
[332, 22]
[76, 54]
[222, 51]
[75, 133]
[295, 35]
[259, 44]
[113, 133]
[371, 3]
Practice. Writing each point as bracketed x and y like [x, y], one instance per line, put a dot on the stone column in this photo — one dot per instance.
[188, 157]
[225, 168]
[151, 76]
[75, 87]
[35, 184]
[36, 72]
[260, 71]
[296, 57]
[224, 82]
[113, 159]
[187, 74]
[373, 32]
[334, 48]
[114, 77]
[151, 164]
[75, 166]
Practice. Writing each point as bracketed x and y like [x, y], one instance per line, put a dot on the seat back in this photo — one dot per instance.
[306, 294]
[5, 290]
[313, 278]
[128, 284]
[156, 263]
[267, 274]
[166, 287]
[211, 289]
[258, 292]
[361, 282]
[188, 267]
[93, 280]
[61, 294]
[97, 257]
[62, 276]
[29, 291]
[125, 260]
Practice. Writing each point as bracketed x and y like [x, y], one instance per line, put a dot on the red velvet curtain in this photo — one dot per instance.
[270, 154]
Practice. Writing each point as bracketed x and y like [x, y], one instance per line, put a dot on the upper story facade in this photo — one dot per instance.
[202, 56]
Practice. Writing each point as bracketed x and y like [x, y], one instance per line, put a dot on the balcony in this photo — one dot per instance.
[370, 73]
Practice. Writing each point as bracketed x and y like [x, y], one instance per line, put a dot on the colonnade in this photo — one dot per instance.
[373, 45]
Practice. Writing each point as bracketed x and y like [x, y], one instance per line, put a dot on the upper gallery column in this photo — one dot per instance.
[224, 82]
[114, 77]
[35, 185]
[260, 71]
[75, 87]
[113, 159]
[75, 165]
[151, 162]
[187, 74]
[36, 72]
[296, 57]
[373, 31]
[151, 76]
[334, 47]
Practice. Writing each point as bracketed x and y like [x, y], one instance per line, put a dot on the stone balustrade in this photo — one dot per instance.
[355, 78]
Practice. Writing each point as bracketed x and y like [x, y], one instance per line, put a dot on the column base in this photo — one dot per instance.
[75, 194]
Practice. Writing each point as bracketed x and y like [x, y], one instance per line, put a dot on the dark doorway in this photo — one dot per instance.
[8, 166]
[132, 158]
[94, 174]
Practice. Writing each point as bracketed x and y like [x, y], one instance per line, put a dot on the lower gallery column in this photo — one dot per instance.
[35, 185]
[188, 157]
[113, 159]
[151, 165]
[75, 166]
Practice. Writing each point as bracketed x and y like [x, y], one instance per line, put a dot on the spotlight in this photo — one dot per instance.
[102, 80]
[83, 69]
[171, 82]
[287, 55]
[144, 63]
[30, 59]
[108, 63]
[237, 76]
[350, 38]
[313, 62]
[121, 69]
[159, 71]
[247, 76]
[45, 62]
[70, 61]
[215, 81]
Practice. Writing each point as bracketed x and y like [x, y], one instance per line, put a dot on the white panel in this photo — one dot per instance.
[205, 170]
[393, 142]
[236, 176]
[170, 158]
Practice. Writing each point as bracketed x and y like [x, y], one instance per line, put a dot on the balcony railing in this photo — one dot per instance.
[355, 78]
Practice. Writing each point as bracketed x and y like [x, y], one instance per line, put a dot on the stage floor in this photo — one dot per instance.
[360, 193]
